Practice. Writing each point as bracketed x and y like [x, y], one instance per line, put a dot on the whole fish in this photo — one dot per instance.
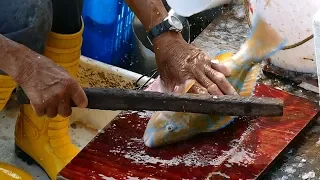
[170, 127]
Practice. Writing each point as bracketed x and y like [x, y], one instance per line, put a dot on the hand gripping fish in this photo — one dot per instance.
[170, 127]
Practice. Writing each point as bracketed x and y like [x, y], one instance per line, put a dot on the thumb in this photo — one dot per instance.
[79, 97]
[38, 111]
[166, 86]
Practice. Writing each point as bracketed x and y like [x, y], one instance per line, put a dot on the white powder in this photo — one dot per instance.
[241, 157]
[309, 175]
[145, 114]
[106, 178]
[318, 142]
[290, 170]
[195, 158]
[211, 175]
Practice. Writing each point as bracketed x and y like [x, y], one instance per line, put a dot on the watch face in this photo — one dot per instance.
[174, 21]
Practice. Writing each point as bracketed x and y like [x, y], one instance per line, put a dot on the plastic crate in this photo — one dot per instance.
[108, 30]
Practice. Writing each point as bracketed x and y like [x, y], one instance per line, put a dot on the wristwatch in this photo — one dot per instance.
[170, 23]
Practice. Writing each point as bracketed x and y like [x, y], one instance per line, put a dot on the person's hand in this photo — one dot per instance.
[179, 61]
[50, 88]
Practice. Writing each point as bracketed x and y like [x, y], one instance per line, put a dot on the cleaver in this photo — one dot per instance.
[138, 100]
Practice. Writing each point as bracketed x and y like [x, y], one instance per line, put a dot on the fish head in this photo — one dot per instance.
[170, 127]
[165, 127]
[160, 128]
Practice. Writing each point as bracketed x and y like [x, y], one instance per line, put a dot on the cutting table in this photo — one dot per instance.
[268, 148]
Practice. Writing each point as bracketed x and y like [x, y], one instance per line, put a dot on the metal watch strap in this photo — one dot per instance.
[158, 29]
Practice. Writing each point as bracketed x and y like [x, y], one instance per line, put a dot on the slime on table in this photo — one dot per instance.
[170, 127]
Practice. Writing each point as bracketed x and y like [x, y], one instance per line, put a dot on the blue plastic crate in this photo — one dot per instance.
[107, 35]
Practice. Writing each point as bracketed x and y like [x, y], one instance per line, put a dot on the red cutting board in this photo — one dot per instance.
[242, 150]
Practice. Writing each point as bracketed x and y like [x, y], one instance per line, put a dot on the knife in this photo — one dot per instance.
[126, 99]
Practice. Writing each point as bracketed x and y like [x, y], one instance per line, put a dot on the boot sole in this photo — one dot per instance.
[26, 158]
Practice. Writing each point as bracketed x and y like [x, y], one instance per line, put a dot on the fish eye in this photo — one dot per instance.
[170, 127]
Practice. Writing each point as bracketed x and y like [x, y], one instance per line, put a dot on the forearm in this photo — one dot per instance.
[14, 58]
[151, 13]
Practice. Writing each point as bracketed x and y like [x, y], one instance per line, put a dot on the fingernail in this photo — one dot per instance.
[215, 61]
[83, 105]
[228, 72]
[203, 92]
[235, 93]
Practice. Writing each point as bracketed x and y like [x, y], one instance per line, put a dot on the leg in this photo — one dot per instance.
[65, 39]
[51, 147]
[67, 16]
[26, 22]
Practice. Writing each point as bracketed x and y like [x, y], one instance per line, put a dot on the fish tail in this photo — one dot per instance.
[250, 81]
[263, 41]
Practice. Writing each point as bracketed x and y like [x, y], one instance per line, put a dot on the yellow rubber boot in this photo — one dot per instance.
[8, 172]
[45, 141]
[7, 85]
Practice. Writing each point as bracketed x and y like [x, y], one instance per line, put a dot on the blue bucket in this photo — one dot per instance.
[108, 33]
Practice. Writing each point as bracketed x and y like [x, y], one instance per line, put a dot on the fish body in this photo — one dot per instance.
[170, 127]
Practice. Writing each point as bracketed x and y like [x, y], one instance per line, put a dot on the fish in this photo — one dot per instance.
[166, 127]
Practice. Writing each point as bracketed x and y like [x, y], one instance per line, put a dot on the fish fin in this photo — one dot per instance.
[219, 122]
[250, 81]
[223, 55]
[246, 90]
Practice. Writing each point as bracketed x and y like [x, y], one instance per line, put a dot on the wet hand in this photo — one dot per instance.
[179, 61]
[50, 88]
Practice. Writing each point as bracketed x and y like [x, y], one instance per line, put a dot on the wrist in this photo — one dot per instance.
[166, 39]
[167, 45]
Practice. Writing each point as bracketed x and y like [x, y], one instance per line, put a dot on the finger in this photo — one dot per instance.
[64, 108]
[78, 96]
[52, 112]
[38, 111]
[220, 67]
[176, 89]
[220, 80]
[198, 89]
[166, 85]
[202, 78]
[212, 88]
